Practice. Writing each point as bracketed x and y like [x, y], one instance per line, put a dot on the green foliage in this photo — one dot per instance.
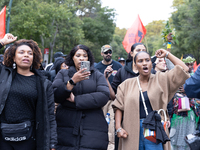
[153, 40]
[118, 49]
[99, 29]
[165, 33]
[186, 21]
[62, 24]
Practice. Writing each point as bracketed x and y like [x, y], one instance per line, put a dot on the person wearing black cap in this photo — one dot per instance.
[106, 53]
[58, 65]
[50, 67]
[121, 61]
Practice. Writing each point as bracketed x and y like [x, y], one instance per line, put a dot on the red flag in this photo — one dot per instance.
[195, 66]
[3, 22]
[135, 34]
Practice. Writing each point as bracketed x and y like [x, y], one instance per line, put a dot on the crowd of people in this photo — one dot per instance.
[62, 106]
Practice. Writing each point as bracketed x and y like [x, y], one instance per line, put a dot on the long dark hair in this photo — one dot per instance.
[69, 59]
[130, 58]
[135, 45]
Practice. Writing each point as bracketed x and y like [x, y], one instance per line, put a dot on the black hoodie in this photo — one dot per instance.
[122, 74]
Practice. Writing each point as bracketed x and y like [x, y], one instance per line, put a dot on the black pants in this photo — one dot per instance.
[29, 144]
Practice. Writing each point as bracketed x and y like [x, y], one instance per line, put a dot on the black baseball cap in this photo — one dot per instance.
[121, 59]
[59, 54]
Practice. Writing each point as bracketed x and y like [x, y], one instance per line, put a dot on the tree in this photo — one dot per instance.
[118, 49]
[153, 37]
[45, 22]
[62, 24]
[186, 21]
[100, 29]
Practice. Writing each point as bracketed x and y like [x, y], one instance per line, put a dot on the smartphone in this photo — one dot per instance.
[85, 64]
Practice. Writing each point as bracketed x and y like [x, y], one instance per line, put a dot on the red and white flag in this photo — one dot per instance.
[135, 34]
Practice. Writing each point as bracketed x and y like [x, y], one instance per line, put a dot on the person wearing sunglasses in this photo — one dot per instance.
[106, 53]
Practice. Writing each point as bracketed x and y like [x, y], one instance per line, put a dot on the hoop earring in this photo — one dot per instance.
[14, 65]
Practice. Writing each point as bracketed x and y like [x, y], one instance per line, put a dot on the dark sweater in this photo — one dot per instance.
[21, 102]
[123, 74]
[115, 65]
[148, 105]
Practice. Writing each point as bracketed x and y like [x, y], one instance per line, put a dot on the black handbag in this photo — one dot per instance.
[193, 140]
[16, 132]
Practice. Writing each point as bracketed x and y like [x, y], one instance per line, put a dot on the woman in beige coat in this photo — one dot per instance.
[157, 89]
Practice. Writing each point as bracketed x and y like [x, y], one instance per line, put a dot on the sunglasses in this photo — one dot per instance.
[110, 52]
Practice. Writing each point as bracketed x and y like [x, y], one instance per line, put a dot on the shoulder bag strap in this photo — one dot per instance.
[145, 107]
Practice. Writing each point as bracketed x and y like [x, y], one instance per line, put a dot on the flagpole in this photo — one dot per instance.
[146, 43]
[8, 19]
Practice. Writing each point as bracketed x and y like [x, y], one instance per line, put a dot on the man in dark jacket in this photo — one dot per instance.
[106, 53]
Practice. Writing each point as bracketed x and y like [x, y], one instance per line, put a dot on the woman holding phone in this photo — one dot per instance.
[80, 120]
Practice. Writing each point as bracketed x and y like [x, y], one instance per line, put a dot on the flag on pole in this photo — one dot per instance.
[135, 34]
[3, 22]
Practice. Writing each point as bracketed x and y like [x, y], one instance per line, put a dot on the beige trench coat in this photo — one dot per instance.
[161, 89]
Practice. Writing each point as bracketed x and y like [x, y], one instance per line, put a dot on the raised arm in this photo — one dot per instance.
[161, 53]
[7, 39]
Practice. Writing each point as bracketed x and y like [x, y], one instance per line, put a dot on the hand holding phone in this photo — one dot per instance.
[85, 64]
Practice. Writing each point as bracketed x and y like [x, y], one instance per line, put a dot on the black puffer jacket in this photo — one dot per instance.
[46, 136]
[81, 125]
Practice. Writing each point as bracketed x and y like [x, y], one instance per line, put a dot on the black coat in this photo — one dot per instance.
[46, 136]
[81, 125]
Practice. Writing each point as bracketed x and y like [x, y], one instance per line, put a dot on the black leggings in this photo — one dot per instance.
[29, 144]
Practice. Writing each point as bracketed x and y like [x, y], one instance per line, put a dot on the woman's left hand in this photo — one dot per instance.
[53, 149]
[161, 53]
[71, 98]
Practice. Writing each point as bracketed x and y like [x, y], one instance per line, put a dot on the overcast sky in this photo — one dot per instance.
[148, 10]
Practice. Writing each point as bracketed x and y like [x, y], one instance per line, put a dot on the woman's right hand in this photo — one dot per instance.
[122, 134]
[161, 53]
[80, 75]
[8, 38]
